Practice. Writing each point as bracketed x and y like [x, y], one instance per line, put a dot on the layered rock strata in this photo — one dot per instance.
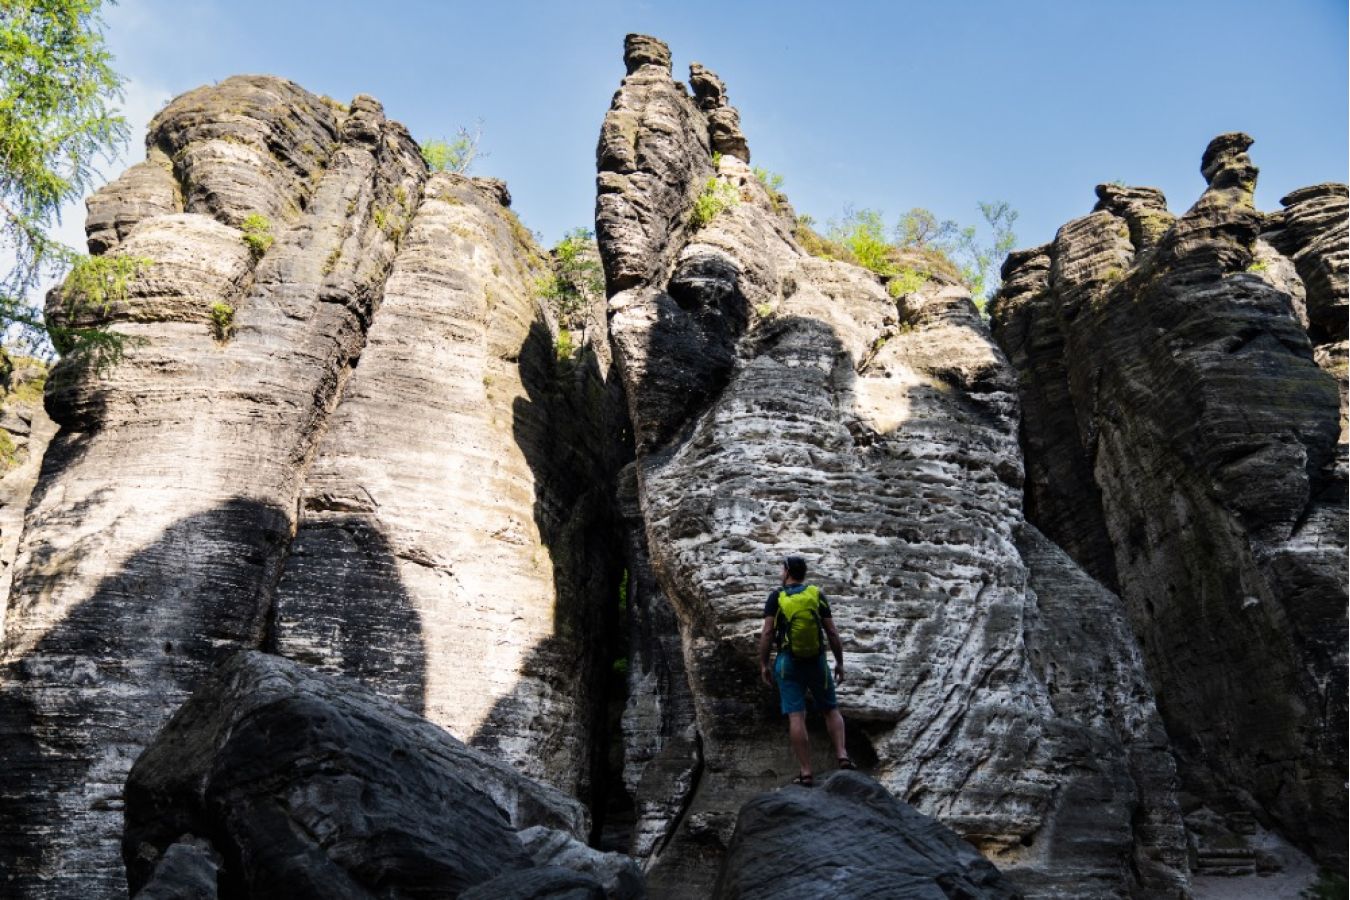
[1181, 416]
[436, 527]
[783, 403]
[850, 838]
[165, 503]
[304, 785]
[452, 544]
[25, 431]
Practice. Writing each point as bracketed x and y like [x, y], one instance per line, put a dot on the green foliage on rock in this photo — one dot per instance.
[92, 286]
[457, 155]
[257, 230]
[222, 321]
[864, 234]
[102, 280]
[906, 281]
[577, 278]
[773, 186]
[9, 453]
[58, 95]
[717, 196]
[920, 247]
[562, 345]
[817, 244]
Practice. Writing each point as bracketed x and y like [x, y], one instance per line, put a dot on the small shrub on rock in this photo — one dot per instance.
[222, 321]
[716, 197]
[257, 230]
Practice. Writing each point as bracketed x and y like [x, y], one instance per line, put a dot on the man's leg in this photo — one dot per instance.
[834, 724]
[801, 743]
[822, 688]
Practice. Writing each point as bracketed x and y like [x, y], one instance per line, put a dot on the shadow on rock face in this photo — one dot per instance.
[347, 611]
[571, 431]
[79, 706]
[312, 786]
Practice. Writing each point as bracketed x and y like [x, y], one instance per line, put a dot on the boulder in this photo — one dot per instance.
[188, 870]
[312, 786]
[848, 837]
[617, 873]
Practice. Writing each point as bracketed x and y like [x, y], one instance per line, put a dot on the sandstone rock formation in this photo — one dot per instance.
[310, 786]
[1183, 441]
[782, 403]
[449, 551]
[849, 838]
[25, 431]
[230, 484]
[353, 431]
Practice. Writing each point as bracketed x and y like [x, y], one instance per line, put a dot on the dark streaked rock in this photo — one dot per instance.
[1180, 374]
[312, 786]
[849, 837]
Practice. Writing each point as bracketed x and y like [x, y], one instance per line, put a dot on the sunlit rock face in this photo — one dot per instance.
[783, 403]
[348, 432]
[1186, 435]
[434, 526]
[450, 552]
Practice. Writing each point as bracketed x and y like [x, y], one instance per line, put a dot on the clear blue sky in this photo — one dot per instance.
[884, 105]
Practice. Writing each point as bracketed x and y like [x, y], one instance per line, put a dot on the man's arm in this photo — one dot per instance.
[765, 643]
[837, 646]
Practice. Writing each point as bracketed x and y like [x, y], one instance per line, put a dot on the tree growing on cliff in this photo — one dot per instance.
[980, 259]
[456, 156]
[863, 233]
[922, 245]
[577, 278]
[57, 115]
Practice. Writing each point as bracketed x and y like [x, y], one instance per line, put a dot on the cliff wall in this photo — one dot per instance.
[1186, 439]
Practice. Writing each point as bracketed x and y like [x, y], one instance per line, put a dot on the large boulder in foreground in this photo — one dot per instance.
[309, 785]
[850, 838]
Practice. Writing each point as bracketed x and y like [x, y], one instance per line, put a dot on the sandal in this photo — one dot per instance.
[846, 763]
[804, 781]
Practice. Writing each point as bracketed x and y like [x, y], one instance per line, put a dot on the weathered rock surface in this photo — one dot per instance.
[186, 870]
[850, 838]
[310, 786]
[542, 883]
[1173, 402]
[167, 499]
[438, 524]
[355, 436]
[661, 755]
[782, 403]
[619, 875]
[450, 552]
[25, 431]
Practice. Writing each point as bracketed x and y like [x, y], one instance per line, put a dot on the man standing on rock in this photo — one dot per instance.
[798, 620]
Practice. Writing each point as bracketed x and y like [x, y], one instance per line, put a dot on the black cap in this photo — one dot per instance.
[796, 567]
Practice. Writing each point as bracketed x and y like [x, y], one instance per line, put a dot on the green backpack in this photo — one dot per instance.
[799, 622]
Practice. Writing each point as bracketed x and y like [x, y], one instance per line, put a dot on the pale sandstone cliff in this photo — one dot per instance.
[783, 403]
[215, 490]
[363, 446]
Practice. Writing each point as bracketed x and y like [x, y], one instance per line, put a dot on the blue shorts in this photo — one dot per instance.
[797, 676]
